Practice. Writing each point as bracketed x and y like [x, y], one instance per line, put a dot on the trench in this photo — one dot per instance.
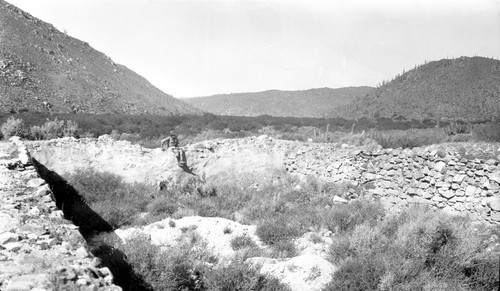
[92, 227]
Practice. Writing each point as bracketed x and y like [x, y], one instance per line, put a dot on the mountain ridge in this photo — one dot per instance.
[317, 102]
[45, 70]
[466, 88]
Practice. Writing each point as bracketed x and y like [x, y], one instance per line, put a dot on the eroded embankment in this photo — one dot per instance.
[434, 175]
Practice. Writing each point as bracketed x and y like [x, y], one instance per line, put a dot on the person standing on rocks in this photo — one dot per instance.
[172, 143]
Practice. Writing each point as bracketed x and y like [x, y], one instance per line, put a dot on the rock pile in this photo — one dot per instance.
[39, 249]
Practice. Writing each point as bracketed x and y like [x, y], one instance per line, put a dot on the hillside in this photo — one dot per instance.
[307, 103]
[45, 70]
[464, 88]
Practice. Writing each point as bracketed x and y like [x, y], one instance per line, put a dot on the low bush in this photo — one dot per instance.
[345, 217]
[457, 127]
[171, 269]
[162, 205]
[277, 230]
[114, 200]
[283, 249]
[13, 127]
[419, 249]
[489, 132]
[239, 276]
[242, 241]
[180, 267]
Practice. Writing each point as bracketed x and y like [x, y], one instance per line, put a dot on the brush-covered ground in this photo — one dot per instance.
[417, 249]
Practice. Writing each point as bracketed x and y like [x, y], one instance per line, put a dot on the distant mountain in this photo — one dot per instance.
[466, 88]
[307, 103]
[43, 69]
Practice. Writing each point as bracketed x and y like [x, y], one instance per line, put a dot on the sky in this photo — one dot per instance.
[193, 48]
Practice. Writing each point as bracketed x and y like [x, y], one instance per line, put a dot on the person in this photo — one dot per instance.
[172, 143]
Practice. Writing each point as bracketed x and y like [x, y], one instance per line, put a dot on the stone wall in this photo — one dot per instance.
[434, 175]
[439, 177]
[137, 164]
[39, 249]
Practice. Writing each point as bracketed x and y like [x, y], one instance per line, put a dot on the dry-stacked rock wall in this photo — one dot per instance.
[434, 175]
[39, 249]
[439, 177]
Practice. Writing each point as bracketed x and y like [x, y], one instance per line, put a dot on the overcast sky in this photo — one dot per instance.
[201, 47]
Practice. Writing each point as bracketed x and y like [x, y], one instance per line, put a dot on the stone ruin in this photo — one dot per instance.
[39, 249]
[436, 175]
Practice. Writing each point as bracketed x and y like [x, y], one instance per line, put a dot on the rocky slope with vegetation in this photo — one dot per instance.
[466, 88]
[45, 70]
[307, 103]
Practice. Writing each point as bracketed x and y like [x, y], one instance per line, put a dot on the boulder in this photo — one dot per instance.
[495, 177]
[493, 202]
[470, 190]
[495, 216]
[440, 167]
[338, 200]
[447, 194]
[37, 182]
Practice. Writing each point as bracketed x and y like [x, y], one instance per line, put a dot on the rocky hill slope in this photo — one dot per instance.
[464, 88]
[307, 103]
[45, 70]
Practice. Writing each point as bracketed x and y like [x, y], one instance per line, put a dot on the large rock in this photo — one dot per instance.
[447, 194]
[440, 167]
[493, 202]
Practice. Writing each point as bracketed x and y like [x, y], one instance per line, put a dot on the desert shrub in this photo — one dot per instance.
[242, 241]
[171, 269]
[359, 273]
[283, 249]
[277, 230]
[457, 127]
[346, 217]
[70, 128]
[94, 185]
[116, 201]
[419, 249]
[54, 129]
[12, 127]
[36, 132]
[162, 205]
[487, 132]
[341, 249]
[116, 212]
[359, 139]
[239, 276]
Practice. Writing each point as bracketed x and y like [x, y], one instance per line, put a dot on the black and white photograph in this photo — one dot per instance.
[250, 145]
